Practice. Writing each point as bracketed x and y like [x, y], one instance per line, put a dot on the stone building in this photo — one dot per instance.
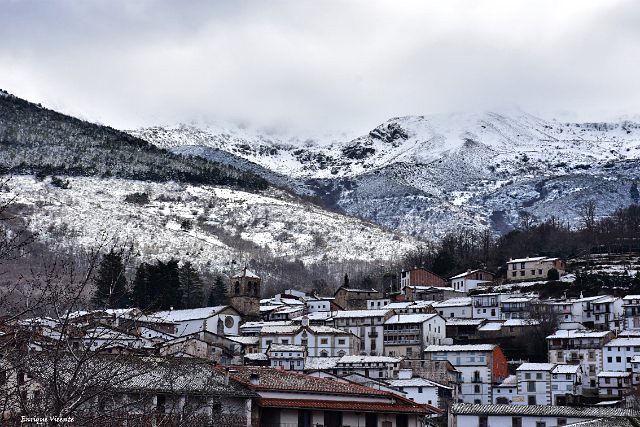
[244, 294]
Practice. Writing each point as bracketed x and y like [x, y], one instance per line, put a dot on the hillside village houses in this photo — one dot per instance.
[429, 355]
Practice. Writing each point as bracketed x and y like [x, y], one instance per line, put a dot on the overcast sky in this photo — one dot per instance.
[322, 65]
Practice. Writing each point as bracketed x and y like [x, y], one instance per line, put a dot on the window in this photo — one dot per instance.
[531, 400]
[324, 341]
[513, 273]
[541, 424]
[516, 422]
[539, 375]
[562, 422]
[419, 389]
[527, 376]
[476, 389]
[531, 386]
[522, 273]
[483, 421]
[341, 341]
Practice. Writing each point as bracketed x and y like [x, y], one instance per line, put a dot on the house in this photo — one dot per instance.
[369, 366]
[354, 299]
[566, 383]
[608, 314]
[318, 304]
[618, 354]
[461, 330]
[407, 335]
[470, 280]
[221, 320]
[320, 341]
[459, 307]
[421, 277]
[293, 399]
[430, 293]
[254, 328]
[535, 268]
[464, 414]
[503, 393]
[517, 307]
[377, 304]
[368, 325]
[631, 309]
[439, 371]
[487, 305]
[614, 384]
[421, 390]
[411, 307]
[534, 384]
[580, 347]
[287, 356]
[481, 366]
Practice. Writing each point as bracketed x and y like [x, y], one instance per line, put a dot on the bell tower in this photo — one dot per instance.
[244, 293]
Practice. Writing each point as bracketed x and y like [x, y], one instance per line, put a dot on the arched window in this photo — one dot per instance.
[237, 288]
[324, 353]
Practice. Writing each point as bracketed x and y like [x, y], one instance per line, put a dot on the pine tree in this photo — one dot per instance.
[140, 295]
[111, 283]
[218, 294]
[345, 282]
[190, 286]
[167, 287]
[633, 192]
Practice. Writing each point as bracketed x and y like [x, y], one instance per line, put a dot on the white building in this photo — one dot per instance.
[480, 365]
[318, 304]
[631, 309]
[320, 341]
[221, 320]
[608, 314]
[369, 366]
[407, 335]
[454, 307]
[368, 325]
[614, 384]
[566, 380]
[534, 268]
[516, 307]
[421, 390]
[470, 280]
[619, 352]
[534, 384]
[287, 356]
[487, 306]
[580, 347]
[504, 392]
[378, 304]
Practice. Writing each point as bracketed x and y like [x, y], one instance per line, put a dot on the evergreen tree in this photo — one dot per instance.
[345, 282]
[218, 294]
[111, 283]
[141, 295]
[633, 192]
[167, 285]
[190, 286]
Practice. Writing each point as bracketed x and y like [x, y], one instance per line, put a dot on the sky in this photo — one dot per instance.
[321, 66]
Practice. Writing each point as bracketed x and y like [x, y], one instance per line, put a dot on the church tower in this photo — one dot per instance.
[244, 294]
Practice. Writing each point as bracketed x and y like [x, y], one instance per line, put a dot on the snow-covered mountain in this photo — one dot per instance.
[427, 175]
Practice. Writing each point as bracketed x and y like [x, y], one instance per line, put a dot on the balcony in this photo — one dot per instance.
[476, 380]
[373, 334]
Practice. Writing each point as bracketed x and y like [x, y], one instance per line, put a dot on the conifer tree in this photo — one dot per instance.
[140, 294]
[345, 282]
[111, 283]
[190, 286]
[218, 294]
[634, 193]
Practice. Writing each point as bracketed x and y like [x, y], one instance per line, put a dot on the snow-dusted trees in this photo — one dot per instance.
[218, 293]
[190, 286]
[110, 282]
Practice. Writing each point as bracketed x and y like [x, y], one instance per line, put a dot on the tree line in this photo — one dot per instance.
[159, 286]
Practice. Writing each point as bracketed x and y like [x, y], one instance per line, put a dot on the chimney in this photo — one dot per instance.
[254, 378]
[305, 321]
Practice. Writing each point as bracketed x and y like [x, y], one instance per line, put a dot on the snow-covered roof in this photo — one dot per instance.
[521, 322]
[622, 342]
[409, 318]
[565, 369]
[320, 363]
[455, 321]
[415, 382]
[327, 330]
[286, 347]
[466, 273]
[491, 326]
[256, 356]
[368, 359]
[562, 333]
[245, 340]
[510, 381]
[251, 325]
[541, 410]
[453, 302]
[614, 374]
[189, 314]
[246, 273]
[316, 315]
[518, 299]
[538, 258]
[289, 329]
[343, 314]
[460, 347]
[635, 359]
[631, 297]
[536, 367]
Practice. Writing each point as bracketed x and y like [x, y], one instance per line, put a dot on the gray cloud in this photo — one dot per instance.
[326, 65]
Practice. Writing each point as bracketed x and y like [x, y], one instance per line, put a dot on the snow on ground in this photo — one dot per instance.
[224, 222]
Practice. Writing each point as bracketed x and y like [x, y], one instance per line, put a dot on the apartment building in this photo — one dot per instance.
[535, 268]
[534, 384]
[368, 325]
[470, 280]
[407, 335]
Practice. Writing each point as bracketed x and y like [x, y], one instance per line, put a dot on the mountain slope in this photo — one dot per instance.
[428, 175]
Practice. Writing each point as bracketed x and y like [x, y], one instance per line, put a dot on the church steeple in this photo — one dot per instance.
[244, 293]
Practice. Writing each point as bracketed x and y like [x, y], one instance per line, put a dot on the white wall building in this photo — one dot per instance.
[369, 366]
[407, 335]
[487, 306]
[534, 383]
[566, 380]
[454, 307]
[470, 280]
[320, 341]
[221, 320]
[619, 352]
[368, 325]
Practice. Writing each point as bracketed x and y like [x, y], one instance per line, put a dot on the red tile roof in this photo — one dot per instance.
[341, 405]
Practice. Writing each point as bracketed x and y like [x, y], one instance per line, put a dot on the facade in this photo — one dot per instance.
[406, 335]
[614, 384]
[608, 314]
[292, 399]
[368, 325]
[244, 294]
[566, 382]
[619, 352]
[287, 356]
[421, 390]
[534, 383]
[320, 341]
[221, 320]
[517, 307]
[463, 415]
[504, 393]
[535, 268]
[631, 309]
[470, 280]
[487, 306]
[421, 277]
[481, 366]
[369, 366]
[580, 347]
[354, 299]
[454, 307]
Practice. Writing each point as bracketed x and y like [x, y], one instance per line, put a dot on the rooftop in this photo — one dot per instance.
[189, 314]
[565, 369]
[622, 342]
[568, 334]
[453, 302]
[460, 347]
[247, 273]
[614, 374]
[541, 410]
[536, 367]
[369, 359]
[398, 319]
[286, 347]
[360, 313]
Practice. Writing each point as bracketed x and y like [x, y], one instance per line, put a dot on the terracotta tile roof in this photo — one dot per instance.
[278, 379]
[400, 406]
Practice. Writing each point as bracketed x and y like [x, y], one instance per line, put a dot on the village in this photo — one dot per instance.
[437, 351]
